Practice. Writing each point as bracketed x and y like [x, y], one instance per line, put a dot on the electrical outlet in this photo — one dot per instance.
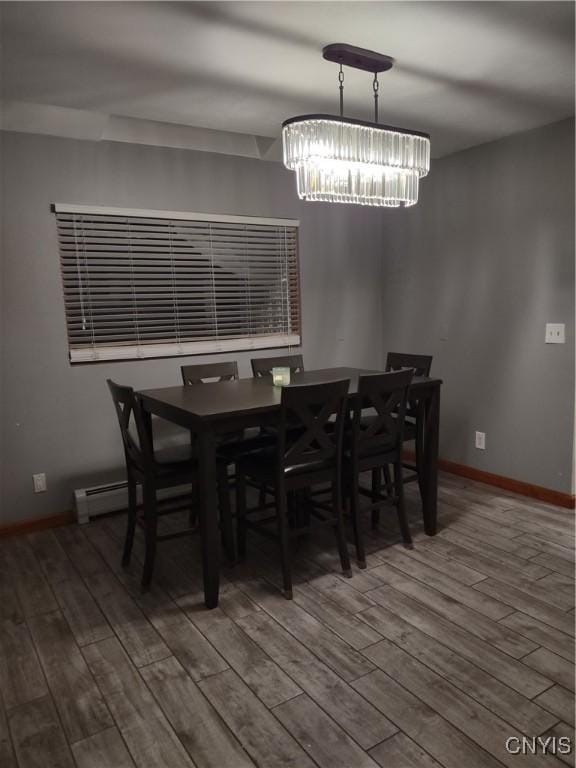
[555, 333]
[39, 482]
[481, 440]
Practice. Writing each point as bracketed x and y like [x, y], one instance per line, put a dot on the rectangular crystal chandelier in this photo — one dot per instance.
[342, 160]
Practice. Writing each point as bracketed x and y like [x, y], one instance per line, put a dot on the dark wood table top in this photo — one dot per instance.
[228, 398]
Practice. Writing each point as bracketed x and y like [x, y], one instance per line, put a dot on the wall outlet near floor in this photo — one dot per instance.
[39, 482]
[481, 440]
[555, 333]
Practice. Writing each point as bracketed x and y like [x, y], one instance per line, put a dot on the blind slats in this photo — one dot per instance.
[136, 285]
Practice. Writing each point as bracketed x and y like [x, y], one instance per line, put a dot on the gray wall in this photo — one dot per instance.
[472, 275]
[57, 418]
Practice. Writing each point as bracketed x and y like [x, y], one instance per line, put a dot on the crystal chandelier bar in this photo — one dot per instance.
[337, 159]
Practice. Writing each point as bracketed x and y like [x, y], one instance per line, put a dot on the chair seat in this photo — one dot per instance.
[410, 430]
[385, 445]
[262, 464]
[239, 434]
[233, 450]
[175, 460]
[183, 458]
[174, 454]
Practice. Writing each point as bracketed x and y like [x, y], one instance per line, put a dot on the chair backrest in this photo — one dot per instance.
[199, 374]
[307, 434]
[262, 366]
[387, 394]
[138, 446]
[420, 363]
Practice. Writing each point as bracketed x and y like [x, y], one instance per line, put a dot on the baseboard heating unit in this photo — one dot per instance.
[111, 497]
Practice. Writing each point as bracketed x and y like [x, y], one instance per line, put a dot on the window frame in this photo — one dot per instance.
[119, 351]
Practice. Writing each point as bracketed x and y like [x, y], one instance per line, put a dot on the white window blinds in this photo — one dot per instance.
[157, 283]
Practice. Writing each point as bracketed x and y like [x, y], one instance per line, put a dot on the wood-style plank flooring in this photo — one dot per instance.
[430, 657]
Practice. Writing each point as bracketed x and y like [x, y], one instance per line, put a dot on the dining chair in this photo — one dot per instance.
[421, 364]
[236, 442]
[262, 366]
[201, 373]
[373, 443]
[231, 445]
[414, 422]
[299, 459]
[154, 470]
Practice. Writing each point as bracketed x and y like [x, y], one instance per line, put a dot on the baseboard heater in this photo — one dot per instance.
[112, 497]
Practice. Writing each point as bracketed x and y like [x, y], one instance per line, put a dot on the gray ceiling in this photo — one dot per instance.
[467, 72]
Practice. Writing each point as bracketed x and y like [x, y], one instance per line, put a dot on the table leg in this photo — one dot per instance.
[430, 486]
[209, 517]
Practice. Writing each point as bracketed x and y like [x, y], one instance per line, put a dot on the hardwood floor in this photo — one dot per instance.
[430, 657]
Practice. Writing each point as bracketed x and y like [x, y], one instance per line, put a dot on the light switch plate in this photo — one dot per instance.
[555, 333]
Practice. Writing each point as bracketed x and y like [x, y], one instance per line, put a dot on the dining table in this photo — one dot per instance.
[212, 409]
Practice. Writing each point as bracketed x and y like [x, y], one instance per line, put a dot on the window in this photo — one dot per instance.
[160, 283]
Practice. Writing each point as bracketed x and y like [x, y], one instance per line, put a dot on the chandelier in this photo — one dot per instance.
[341, 160]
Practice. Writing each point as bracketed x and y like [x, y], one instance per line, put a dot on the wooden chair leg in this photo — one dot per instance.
[226, 524]
[150, 532]
[401, 507]
[388, 480]
[131, 524]
[345, 493]
[420, 468]
[339, 530]
[376, 494]
[193, 520]
[240, 514]
[355, 514]
[282, 525]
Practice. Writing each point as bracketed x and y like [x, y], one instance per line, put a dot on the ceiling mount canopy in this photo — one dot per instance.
[359, 58]
[343, 160]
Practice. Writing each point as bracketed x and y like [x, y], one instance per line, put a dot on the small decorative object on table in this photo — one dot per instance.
[280, 377]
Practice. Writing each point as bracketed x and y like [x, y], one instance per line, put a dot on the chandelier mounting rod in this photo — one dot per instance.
[358, 58]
